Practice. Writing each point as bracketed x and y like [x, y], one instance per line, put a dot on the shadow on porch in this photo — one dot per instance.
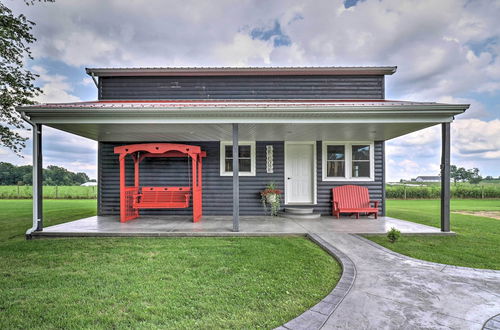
[222, 226]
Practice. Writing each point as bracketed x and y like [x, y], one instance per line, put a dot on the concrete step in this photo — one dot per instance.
[306, 216]
[296, 210]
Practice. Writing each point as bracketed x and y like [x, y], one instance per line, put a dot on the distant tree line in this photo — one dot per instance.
[52, 175]
[460, 174]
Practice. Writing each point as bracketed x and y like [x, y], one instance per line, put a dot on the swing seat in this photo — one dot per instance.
[162, 198]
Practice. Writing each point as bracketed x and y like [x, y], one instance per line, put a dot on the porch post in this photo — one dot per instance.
[445, 177]
[37, 180]
[236, 180]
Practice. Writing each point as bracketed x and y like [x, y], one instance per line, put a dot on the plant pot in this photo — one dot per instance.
[271, 198]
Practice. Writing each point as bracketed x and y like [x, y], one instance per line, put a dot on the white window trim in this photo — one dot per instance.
[222, 162]
[348, 161]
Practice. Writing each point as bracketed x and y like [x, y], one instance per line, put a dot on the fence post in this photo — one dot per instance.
[482, 192]
[404, 194]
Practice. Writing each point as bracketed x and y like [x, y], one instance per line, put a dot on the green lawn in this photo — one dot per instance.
[477, 243]
[15, 214]
[176, 283]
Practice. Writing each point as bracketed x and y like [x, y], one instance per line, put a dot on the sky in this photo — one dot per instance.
[445, 51]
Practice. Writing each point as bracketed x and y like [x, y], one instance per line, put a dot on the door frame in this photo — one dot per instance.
[315, 178]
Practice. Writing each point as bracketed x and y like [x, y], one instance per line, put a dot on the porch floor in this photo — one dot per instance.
[222, 226]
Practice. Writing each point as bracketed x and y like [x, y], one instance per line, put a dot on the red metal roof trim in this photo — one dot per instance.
[226, 104]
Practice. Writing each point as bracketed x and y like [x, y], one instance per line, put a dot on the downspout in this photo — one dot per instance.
[34, 180]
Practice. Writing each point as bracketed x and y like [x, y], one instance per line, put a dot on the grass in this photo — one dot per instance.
[477, 243]
[15, 214]
[51, 192]
[175, 283]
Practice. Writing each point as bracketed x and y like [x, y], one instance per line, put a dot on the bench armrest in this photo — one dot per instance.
[375, 203]
[335, 205]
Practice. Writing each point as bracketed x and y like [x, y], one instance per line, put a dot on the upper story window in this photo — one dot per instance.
[246, 157]
[348, 161]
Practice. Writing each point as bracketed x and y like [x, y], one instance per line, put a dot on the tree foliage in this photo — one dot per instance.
[16, 83]
[460, 174]
[52, 175]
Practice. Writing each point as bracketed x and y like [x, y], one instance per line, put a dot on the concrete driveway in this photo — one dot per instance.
[392, 291]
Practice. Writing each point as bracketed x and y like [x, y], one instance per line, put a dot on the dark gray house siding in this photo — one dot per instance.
[375, 187]
[242, 87]
[217, 189]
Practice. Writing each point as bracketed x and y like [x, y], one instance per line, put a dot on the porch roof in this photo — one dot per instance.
[195, 120]
[242, 71]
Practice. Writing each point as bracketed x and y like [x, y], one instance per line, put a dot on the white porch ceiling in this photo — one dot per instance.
[257, 132]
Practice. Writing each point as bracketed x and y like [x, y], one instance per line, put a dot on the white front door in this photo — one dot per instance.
[299, 172]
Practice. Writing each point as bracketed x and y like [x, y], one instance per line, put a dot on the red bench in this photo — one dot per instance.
[162, 198]
[353, 199]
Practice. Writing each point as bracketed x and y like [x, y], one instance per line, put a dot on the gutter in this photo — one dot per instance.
[371, 109]
[34, 180]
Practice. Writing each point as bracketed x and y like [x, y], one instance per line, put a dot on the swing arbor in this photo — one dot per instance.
[134, 198]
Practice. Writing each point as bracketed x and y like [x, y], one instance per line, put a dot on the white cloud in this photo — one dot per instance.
[474, 142]
[244, 51]
[56, 88]
[474, 138]
[445, 50]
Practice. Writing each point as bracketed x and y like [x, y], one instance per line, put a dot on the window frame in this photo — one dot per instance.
[222, 160]
[348, 160]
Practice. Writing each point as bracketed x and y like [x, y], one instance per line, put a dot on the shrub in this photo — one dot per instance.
[393, 235]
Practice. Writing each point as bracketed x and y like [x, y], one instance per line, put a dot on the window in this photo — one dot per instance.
[246, 155]
[348, 161]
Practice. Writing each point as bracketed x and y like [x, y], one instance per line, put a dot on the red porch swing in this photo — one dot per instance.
[132, 199]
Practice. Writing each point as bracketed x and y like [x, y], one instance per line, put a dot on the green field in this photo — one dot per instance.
[50, 192]
[171, 283]
[477, 243]
[484, 190]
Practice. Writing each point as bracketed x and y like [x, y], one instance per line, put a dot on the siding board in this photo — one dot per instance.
[217, 190]
[242, 87]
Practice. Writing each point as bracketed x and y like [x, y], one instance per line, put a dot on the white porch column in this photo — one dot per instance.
[37, 181]
[445, 177]
[236, 180]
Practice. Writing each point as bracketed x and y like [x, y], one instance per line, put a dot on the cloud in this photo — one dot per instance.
[474, 138]
[56, 88]
[72, 152]
[474, 142]
[446, 51]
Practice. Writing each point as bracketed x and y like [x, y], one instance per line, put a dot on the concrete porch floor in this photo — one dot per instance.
[222, 225]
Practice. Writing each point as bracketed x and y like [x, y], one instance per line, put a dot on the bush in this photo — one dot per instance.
[393, 235]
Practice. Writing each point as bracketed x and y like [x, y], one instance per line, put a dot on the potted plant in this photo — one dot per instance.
[271, 199]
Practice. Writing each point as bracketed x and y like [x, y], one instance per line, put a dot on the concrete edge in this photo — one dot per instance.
[41, 234]
[405, 257]
[493, 323]
[450, 233]
[318, 315]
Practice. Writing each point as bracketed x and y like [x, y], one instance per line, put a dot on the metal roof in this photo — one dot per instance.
[239, 71]
[244, 104]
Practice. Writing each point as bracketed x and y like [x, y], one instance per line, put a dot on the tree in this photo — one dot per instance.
[473, 176]
[16, 83]
[460, 174]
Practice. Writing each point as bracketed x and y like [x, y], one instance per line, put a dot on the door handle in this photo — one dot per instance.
[288, 178]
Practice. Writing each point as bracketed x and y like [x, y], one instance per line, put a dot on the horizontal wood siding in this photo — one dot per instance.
[375, 187]
[242, 87]
[217, 190]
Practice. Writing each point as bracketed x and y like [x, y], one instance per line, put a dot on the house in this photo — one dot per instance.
[435, 178]
[307, 129]
[89, 184]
